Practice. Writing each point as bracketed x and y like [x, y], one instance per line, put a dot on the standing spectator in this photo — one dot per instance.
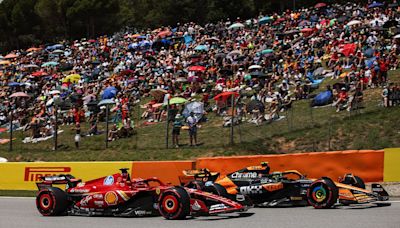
[77, 137]
[176, 130]
[192, 122]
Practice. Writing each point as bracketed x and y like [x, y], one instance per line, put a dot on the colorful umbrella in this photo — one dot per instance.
[265, 20]
[177, 100]
[197, 68]
[19, 94]
[39, 73]
[201, 48]
[354, 22]
[10, 56]
[320, 5]
[225, 95]
[49, 64]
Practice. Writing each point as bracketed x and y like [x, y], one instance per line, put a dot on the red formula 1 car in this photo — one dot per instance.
[119, 195]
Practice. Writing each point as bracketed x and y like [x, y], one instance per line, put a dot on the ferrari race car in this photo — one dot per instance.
[119, 195]
[255, 185]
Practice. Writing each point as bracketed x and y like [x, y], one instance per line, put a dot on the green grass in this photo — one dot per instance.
[18, 193]
[305, 129]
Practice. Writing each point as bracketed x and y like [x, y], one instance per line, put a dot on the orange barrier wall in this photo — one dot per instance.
[167, 171]
[368, 164]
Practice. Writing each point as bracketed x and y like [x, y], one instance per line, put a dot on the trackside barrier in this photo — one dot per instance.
[391, 171]
[368, 164]
[371, 165]
[23, 175]
[167, 171]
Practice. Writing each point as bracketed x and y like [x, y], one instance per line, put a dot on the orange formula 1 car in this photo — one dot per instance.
[255, 185]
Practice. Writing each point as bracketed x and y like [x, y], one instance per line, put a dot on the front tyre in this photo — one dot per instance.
[174, 203]
[52, 202]
[322, 193]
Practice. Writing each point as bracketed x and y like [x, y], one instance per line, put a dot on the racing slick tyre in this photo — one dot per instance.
[52, 202]
[216, 189]
[196, 184]
[322, 193]
[174, 203]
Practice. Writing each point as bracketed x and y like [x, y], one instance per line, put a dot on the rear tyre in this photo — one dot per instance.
[322, 193]
[52, 202]
[174, 203]
[217, 189]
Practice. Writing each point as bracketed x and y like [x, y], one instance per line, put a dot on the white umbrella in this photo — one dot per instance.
[255, 67]
[106, 102]
[354, 22]
[376, 22]
[236, 26]
[54, 92]
[50, 102]
[397, 36]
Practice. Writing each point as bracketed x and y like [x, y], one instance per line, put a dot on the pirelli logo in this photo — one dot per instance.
[36, 173]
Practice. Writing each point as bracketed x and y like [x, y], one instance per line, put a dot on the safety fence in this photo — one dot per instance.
[371, 165]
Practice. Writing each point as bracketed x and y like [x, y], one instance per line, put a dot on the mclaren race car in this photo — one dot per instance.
[119, 195]
[255, 185]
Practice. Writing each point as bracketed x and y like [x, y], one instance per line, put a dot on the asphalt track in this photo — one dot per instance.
[21, 213]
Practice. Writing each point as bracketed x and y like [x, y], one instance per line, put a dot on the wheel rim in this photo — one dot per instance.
[319, 194]
[45, 202]
[170, 204]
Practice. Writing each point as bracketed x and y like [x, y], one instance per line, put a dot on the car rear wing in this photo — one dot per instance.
[49, 181]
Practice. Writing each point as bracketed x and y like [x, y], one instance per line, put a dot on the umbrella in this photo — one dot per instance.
[320, 5]
[58, 51]
[31, 66]
[177, 100]
[397, 36]
[49, 64]
[54, 92]
[106, 102]
[180, 79]
[10, 56]
[375, 4]
[158, 93]
[264, 20]
[19, 94]
[88, 98]
[5, 62]
[354, 22]
[252, 67]
[212, 39]
[14, 84]
[50, 102]
[348, 49]
[225, 95]
[236, 26]
[266, 51]
[258, 74]
[305, 30]
[73, 78]
[33, 49]
[196, 107]
[164, 33]
[201, 48]
[376, 22]
[233, 53]
[197, 68]
[391, 23]
[39, 73]
[194, 79]
[318, 71]
[109, 92]
[255, 105]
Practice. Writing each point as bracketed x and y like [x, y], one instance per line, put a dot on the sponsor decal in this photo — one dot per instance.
[273, 187]
[217, 207]
[158, 191]
[111, 198]
[294, 198]
[237, 175]
[85, 201]
[80, 185]
[123, 195]
[142, 213]
[99, 203]
[109, 180]
[377, 189]
[98, 196]
[75, 190]
[245, 190]
[36, 173]
[196, 206]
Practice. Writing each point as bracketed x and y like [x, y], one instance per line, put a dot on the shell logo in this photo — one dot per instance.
[111, 198]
